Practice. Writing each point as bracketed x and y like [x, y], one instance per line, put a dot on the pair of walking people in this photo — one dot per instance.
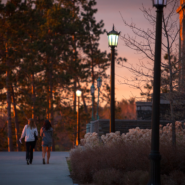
[30, 132]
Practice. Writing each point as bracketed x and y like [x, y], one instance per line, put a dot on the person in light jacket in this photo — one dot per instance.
[46, 132]
[28, 133]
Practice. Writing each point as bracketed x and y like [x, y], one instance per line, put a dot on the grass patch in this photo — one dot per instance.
[69, 164]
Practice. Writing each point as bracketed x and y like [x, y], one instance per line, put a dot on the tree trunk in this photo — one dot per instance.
[92, 74]
[9, 125]
[33, 97]
[173, 125]
[16, 120]
[85, 106]
[74, 61]
[33, 101]
[171, 88]
[51, 102]
[48, 91]
[74, 97]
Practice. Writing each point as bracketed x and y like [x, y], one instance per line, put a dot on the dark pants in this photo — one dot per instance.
[29, 150]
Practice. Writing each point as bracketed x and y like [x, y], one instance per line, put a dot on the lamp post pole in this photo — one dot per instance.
[113, 42]
[78, 93]
[112, 121]
[92, 108]
[78, 120]
[99, 81]
[92, 93]
[155, 156]
[98, 104]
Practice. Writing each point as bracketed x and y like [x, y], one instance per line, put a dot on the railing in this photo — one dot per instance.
[101, 126]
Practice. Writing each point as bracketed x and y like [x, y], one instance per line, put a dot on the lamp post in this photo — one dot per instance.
[92, 93]
[78, 93]
[113, 42]
[155, 156]
[99, 81]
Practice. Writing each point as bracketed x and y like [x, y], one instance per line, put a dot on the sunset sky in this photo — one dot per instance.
[109, 11]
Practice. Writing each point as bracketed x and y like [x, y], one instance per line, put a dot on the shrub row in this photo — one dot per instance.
[126, 160]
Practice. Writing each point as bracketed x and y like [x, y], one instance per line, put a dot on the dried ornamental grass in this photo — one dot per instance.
[137, 177]
[108, 177]
[127, 152]
[175, 178]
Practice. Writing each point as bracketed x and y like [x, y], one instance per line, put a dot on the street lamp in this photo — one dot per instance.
[155, 156]
[113, 42]
[99, 81]
[92, 93]
[78, 93]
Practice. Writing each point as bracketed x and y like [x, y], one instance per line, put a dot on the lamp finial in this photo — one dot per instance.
[113, 27]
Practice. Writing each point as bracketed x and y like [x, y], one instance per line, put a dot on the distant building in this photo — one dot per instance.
[144, 109]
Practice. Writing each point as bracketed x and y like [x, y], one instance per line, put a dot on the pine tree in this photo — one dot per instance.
[90, 42]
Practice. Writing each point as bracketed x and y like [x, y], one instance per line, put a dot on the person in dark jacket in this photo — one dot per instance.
[46, 132]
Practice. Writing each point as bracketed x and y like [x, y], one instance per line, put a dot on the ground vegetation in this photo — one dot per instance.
[123, 159]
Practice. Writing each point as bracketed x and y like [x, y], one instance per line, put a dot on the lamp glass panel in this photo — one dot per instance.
[113, 40]
[160, 2]
[98, 83]
[116, 40]
[78, 93]
[92, 89]
[110, 42]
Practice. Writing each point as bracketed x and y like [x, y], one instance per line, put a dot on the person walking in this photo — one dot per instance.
[29, 132]
[46, 132]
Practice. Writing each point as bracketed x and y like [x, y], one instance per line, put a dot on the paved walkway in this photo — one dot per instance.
[15, 171]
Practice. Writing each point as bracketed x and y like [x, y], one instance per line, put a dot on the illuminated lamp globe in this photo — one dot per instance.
[78, 93]
[113, 37]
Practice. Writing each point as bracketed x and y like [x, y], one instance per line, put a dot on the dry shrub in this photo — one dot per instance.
[129, 153]
[116, 177]
[123, 157]
[165, 180]
[120, 156]
[172, 158]
[178, 177]
[137, 177]
[175, 178]
[108, 177]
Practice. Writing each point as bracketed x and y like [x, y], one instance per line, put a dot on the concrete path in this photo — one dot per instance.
[15, 171]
